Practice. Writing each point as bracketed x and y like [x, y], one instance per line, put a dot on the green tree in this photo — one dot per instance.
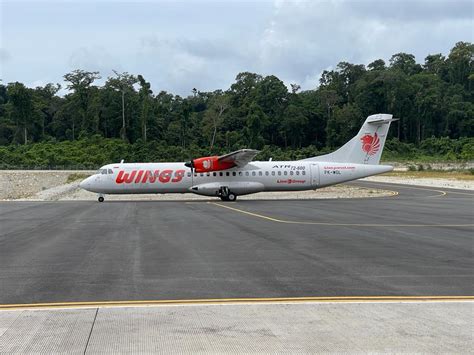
[461, 64]
[256, 122]
[21, 109]
[47, 103]
[293, 125]
[405, 63]
[80, 83]
[213, 117]
[146, 105]
[123, 83]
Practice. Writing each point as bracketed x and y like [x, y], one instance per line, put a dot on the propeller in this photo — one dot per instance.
[190, 164]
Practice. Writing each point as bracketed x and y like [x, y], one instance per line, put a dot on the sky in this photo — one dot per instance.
[181, 45]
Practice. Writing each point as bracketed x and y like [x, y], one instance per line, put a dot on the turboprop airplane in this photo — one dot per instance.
[234, 174]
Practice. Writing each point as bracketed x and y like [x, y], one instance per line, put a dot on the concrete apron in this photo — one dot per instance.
[424, 325]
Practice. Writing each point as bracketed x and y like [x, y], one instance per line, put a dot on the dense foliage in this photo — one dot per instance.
[90, 153]
[124, 119]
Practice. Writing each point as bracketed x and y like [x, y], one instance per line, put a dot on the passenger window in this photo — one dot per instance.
[273, 173]
[221, 173]
[247, 173]
[297, 172]
[227, 173]
[285, 172]
[202, 174]
[266, 173]
[214, 174]
[279, 172]
[240, 173]
[234, 173]
[260, 173]
[189, 174]
[291, 172]
[303, 172]
[253, 173]
[208, 174]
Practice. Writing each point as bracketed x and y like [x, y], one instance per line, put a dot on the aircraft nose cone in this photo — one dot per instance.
[84, 184]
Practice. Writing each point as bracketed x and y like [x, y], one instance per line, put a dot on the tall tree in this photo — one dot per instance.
[122, 82]
[145, 94]
[80, 82]
[461, 64]
[213, 117]
[22, 110]
[405, 63]
[47, 103]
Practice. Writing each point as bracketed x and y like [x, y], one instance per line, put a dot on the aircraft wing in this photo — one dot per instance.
[240, 157]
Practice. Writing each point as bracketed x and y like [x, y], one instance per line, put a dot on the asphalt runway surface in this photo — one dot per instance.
[417, 243]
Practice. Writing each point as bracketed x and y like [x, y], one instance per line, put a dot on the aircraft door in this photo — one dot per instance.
[314, 167]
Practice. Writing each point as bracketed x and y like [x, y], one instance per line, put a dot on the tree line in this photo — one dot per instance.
[432, 99]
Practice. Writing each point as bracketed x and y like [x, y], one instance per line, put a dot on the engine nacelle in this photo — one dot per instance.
[207, 164]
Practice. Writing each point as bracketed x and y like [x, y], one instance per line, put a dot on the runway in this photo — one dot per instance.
[418, 242]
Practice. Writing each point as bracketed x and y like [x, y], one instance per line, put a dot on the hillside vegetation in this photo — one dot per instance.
[124, 119]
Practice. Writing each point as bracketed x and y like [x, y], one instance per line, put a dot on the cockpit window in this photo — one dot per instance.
[103, 171]
[110, 171]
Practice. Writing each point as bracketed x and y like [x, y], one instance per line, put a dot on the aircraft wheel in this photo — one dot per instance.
[231, 196]
[101, 199]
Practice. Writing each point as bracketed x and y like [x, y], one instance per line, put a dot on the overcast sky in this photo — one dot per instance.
[179, 45]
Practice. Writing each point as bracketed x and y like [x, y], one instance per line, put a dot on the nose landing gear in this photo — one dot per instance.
[100, 198]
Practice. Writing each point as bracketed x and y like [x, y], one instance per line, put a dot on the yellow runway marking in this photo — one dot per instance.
[460, 193]
[335, 224]
[440, 192]
[336, 299]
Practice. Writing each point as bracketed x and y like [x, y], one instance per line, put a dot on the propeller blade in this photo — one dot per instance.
[190, 164]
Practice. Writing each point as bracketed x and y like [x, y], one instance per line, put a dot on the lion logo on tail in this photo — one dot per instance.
[370, 144]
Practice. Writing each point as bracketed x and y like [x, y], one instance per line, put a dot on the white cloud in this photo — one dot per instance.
[305, 37]
[95, 58]
[181, 45]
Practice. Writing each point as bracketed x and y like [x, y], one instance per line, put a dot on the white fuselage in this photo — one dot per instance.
[143, 178]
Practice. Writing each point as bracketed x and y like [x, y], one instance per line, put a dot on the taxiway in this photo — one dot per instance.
[415, 243]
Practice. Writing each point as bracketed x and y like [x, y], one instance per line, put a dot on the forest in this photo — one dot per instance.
[123, 118]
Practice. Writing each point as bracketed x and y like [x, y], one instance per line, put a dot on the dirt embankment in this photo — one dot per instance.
[27, 184]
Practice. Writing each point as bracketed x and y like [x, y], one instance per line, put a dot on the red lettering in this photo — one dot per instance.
[139, 176]
[165, 176]
[150, 176]
[144, 176]
[178, 175]
[123, 177]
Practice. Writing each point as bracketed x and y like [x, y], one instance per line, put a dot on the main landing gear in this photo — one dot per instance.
[226, 195]
[100, 198]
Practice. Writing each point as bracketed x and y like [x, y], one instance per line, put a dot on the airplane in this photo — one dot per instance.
[235, 174]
